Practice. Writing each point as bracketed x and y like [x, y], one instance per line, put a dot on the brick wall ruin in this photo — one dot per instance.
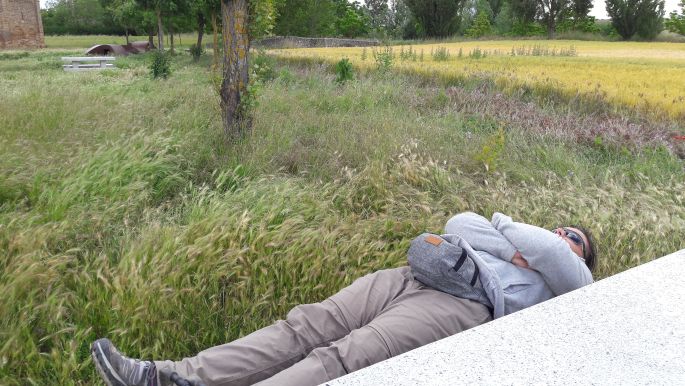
[20, 24]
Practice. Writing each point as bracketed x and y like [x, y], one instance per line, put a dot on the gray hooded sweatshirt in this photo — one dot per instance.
[554, 268]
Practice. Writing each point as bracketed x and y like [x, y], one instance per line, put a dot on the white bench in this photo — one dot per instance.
[87, 63]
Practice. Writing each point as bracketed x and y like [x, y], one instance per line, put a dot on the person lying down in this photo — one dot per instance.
[478, 270]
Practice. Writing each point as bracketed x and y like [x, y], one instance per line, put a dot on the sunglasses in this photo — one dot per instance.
[575, 238]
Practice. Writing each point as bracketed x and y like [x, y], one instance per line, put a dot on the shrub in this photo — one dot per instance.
[527, 29]
[441, 54]
[160, 67]
[492, 150]
[344, 71]
[196, 51]
[263, 67]
[409, 54]
[262, 71]
[285, 76]
[539, 50]
[384, 58]
[480, 27]
[587, 24]
[477, 53]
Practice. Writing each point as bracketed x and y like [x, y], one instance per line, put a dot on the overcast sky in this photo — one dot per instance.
[598, 11]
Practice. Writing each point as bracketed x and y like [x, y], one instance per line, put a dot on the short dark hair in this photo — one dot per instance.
[590, 252]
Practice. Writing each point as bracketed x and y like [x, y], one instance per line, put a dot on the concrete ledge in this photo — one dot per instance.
[628, 329]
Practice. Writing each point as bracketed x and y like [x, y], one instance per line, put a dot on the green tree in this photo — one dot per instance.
[676, 23]
[578, 18]
[641, 17]
[204, 11]
[320, 18]
[552, 12]
[496, 7]
[524, 18]
[400, 18]
[379, 13]
[262, 18]
[470, 11]
[78, 17]
[163, 8]
[181, 20]
[207, 11]
[524, 11]
[352, 22]
[504, 20]
[480, 26]
[126, 13]
[651, 20]
[305, 18]
[581, 9]
[437, 18]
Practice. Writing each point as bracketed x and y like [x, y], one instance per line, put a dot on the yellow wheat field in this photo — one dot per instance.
[645, 76]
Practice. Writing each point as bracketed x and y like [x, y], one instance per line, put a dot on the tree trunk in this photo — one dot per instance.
[200, 28]
[171, 36]
[551, 21]
[234, 14]
[160, 30]
[150, 39]
[215, 42]
[126, 30]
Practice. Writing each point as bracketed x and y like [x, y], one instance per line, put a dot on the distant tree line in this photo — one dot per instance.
[408, 19]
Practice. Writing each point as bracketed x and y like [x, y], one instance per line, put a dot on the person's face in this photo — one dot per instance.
[575, 239]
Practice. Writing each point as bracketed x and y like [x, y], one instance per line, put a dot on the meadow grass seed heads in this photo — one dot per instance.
[441, 54]
[620, 67]
[168, 263]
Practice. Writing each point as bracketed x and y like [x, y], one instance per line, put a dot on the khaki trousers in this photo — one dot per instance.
[380, 315]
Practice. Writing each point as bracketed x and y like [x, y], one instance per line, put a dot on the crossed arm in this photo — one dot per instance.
[526, 246]
[482, 236]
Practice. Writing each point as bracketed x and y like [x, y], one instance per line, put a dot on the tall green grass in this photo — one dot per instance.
[124, 213]
[87, 41]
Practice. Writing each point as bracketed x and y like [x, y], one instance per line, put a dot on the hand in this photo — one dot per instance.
[519, 261]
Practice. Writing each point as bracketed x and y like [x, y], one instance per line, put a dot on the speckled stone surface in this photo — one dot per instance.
[628, 329]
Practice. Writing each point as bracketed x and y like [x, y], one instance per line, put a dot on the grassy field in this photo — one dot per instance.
[87, 41]
[649, 77]
[124, 212]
